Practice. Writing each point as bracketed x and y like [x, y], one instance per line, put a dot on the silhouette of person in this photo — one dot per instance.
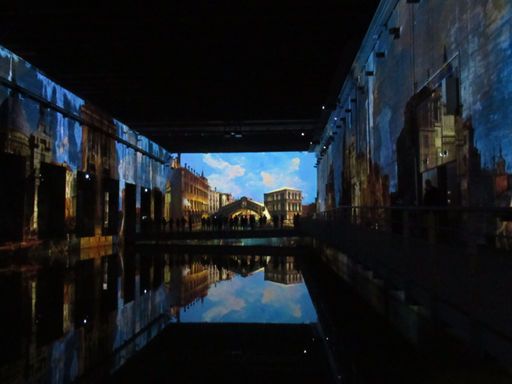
[431, 196]
[275, 219]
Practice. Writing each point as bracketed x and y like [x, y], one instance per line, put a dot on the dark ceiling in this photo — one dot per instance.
[193, 60]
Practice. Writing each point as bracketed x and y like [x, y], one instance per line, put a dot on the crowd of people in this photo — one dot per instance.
[222, 223]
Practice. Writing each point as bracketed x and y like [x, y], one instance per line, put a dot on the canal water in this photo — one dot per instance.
[84, 317]
[229, 311]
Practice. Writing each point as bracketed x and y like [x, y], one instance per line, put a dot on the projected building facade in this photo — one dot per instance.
[70, 171]
[286, 202]
[423, 103]
[190, 193]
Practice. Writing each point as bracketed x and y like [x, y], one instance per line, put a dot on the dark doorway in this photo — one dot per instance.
[130, 211]
[448, 184]
[158, 201]
[85, 293]
[158, 269]
[12, 197]
[145, 210]
[51, 201]
[86, 204]
[15, 321]
[145, 273]
[49, 304]
[130, 270]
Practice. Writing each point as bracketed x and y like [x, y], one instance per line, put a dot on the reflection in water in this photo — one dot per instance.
[243, 289]
[64, 319]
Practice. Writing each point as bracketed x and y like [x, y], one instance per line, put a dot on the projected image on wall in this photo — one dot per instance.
[244, 189]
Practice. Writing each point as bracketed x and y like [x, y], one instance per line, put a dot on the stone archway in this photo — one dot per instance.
[244, 206]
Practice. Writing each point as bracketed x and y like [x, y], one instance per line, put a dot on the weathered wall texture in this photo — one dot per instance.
[53, 143]
[429, 97]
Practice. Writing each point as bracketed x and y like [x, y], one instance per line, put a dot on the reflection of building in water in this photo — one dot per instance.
[216, 274]
[246, 265]
[188, 284]
[283, 271]
[18, 295]
[61, 320]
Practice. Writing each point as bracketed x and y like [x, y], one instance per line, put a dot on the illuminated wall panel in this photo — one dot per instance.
[43, 123]
[453, 61]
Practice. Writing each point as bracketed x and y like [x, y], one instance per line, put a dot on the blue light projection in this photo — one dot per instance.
[253, 174]
[253, 299]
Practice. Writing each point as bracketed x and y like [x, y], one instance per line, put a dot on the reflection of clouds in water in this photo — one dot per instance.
[277, 294]
[228, 305]
[268, 295]
[253, 299]
[228, 300]
[283, 297]
[297, 311]
[225, 289]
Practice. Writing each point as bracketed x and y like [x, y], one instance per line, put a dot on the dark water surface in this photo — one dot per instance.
[83, 316]
[222, 311]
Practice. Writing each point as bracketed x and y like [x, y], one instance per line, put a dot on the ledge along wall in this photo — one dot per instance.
[72, 176]
[429, 97]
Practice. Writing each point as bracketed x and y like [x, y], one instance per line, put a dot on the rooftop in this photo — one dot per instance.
[284, 189]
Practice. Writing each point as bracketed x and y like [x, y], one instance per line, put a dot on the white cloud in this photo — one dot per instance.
[228, 170]
[224, 184]
[224, 178]
[294, 164]
[268, 179]
[285, 176]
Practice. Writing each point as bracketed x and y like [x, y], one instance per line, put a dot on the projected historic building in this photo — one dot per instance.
[244, 207]
[213, 200]
[217, 200]
[70, 171]
[286, 202]
[190, 192]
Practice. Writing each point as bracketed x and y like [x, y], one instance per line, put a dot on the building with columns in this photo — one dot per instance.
[284, 201]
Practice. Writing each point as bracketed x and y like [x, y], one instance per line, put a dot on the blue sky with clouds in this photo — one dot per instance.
[252, 174]
[253, 299]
